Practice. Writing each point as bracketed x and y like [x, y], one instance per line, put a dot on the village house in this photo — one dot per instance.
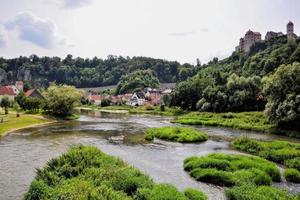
[137, 99]
[11, 90]
[34, 93]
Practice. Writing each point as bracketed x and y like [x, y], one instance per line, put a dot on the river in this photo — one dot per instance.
[23, 151]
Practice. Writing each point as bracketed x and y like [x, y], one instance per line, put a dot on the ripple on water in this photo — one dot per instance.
[24, 151]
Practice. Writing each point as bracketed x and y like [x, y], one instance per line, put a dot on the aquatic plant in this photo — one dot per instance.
[282, 152]
[229, 170]
[87, 173]
[253, 192]
[292, 175]
[177, 134]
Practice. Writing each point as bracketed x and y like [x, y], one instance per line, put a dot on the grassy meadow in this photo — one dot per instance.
[12, 122]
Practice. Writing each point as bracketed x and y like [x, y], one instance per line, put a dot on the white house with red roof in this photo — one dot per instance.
[11, 90]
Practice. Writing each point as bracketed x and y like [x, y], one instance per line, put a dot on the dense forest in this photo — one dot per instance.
[237, 83]
[39, 71]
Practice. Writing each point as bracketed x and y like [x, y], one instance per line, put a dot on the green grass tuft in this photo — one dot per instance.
[177, 134]
[230, 170]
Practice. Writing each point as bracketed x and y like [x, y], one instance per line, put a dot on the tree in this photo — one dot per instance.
[60, 100]
[282, 90]
[137, 81]
[5, 103]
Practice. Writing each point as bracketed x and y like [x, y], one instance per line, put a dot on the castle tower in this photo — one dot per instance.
[290, 28]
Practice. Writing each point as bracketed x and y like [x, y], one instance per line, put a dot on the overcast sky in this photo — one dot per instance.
[181, 30]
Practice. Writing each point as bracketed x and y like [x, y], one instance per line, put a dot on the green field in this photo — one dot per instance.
[11, 122]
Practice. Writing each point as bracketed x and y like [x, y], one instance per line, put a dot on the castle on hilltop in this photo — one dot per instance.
[251, 37]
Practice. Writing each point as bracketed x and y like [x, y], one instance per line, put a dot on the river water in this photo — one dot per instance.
[119, 135]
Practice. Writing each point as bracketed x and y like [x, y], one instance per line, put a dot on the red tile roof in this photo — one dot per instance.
[95, 97]
[29, 92]
[7, 90]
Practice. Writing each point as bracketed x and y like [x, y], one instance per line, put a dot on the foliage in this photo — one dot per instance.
[60, 100]
[255, 121]
[249, 191]
[87, 173]
[292, 175]
[193, 194]
[93, 72]
[28, 103]
[178, 134]
[137, 81]
[282, 152]
[282, 90]
[105, 102]
[234, 83]
[5, 102]
[230, 170]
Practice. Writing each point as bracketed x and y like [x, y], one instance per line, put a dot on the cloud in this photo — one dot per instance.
[41, 32]
[204, 30]
[183, 34]
[2, 40]
[72, 4]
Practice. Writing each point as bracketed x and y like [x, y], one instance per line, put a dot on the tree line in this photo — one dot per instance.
[80, 72]
[266, 77]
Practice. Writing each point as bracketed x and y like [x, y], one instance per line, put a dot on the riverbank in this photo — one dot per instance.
[148, 109]
[13, 123]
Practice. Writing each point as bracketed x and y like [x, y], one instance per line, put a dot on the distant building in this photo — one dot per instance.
[34, 93]
[251, 37]
[137, 99]
[272, 34]
[290, 31]
[19, 85]
[248, 40]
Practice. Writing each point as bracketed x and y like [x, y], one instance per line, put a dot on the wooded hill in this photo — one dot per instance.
[80, 72]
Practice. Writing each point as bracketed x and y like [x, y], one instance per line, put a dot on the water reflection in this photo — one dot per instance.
[119, 135]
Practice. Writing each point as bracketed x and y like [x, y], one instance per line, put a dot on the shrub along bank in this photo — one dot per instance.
[87, 173]
[282, 152]
[177, 134]
[231, 170]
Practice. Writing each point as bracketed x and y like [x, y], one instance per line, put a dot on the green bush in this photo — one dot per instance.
[160, 192]
[293, 163]
[178, 134]
[230, 170]
[87, 173]
[282, 152]
[193, 194]
[252, 192]
[292, 175]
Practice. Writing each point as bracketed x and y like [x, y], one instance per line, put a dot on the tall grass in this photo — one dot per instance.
[86, 173]
[230, 170]
[178, 134]
[252, 192]
[282, 152]
[255, 121]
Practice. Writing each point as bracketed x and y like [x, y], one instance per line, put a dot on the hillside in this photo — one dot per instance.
[40, 71]
[236, 83]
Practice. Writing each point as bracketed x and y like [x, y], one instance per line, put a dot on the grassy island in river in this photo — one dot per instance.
[177, 134]
[87, 173]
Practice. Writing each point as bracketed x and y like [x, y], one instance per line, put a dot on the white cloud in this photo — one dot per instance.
[71, 4]
[2, 40]
[184, 33]
[41, 32]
